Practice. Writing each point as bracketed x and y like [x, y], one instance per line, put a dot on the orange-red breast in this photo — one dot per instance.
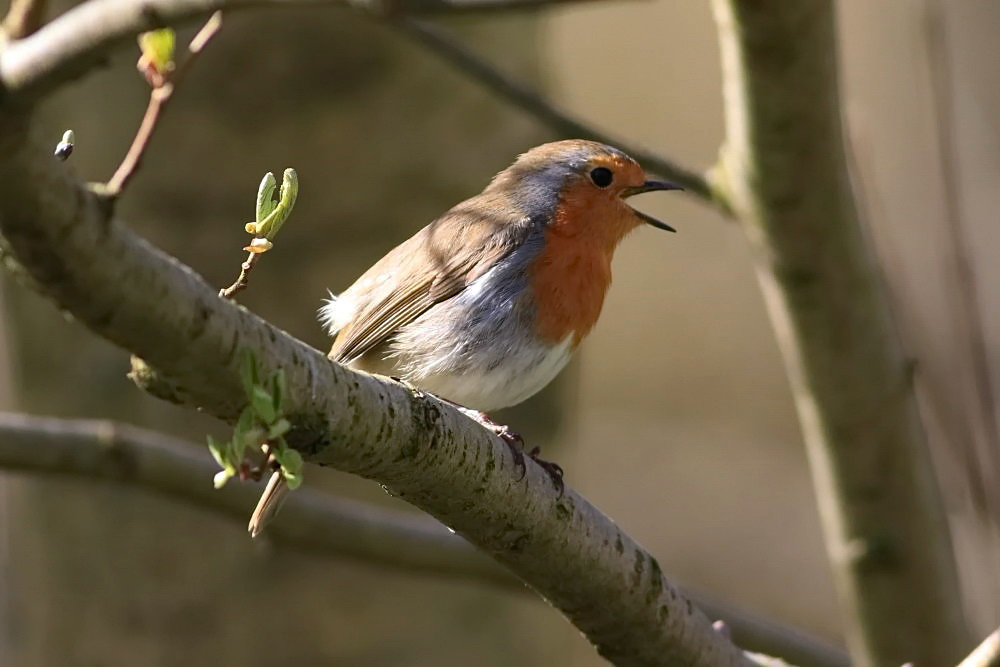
[485, 305]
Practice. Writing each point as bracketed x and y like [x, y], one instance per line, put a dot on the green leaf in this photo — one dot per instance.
[293, 481]
[278, 389]
[278, 429]
[269, 226]
[245, 423]
[263, 405]
[218, 451]
[248, 372]
[265, 203]
[158, 48]
[290, 460]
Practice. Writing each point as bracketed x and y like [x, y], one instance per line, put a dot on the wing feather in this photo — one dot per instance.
[434, 265]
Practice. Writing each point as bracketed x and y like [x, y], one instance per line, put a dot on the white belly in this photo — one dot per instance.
[519, 376]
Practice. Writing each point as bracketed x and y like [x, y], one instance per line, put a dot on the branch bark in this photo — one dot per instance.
[785, 173]
[311, 521]
[420, 449]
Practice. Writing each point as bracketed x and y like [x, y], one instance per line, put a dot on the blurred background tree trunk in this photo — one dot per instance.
[922, 108]
[384, 139]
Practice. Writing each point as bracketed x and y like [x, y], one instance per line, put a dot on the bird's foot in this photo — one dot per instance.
[516, 445]
[554, 470]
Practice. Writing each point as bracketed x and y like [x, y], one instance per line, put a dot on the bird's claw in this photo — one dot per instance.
[554, 470]
[515, 443]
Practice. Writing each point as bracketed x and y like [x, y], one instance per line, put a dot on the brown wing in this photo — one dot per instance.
[433, 265]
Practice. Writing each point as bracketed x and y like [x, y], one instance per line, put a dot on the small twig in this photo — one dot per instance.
[158, 99]
[242, 281]
[521, 96]
[986, 654]
[23, 18]
[269, 219]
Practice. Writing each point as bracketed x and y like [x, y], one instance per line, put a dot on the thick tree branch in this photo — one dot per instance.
[73, 43]
[419, 448]
[785, 171]
[521, 96]
[311, 521]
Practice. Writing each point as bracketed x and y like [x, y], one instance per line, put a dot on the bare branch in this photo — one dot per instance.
[158, 99]
[986, 654]
[243, 280]
[530, 101]
[785, 170]
[422, 450]
[74, 42]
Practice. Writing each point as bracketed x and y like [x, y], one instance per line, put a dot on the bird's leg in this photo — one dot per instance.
[510, 437]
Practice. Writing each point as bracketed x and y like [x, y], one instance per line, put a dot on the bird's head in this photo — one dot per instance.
[581, 187]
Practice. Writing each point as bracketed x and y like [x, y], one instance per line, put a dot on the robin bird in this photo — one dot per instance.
[484, 306]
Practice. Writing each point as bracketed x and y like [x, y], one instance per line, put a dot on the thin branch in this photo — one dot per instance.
[159, 96]
[244, 278]
[986, 654]
[76, 41]
[530, 101]
[422, 450]
[23, 18]
[310, 521]
[784, 166]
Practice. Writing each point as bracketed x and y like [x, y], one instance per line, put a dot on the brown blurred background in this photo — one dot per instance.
[677, 420]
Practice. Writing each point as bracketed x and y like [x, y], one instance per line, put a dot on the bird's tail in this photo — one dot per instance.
[269, 503]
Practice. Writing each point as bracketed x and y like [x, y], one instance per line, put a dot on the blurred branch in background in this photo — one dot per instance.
[23, 18]
[784, 170]
[530, 101]
[76, 41]
[315, 522]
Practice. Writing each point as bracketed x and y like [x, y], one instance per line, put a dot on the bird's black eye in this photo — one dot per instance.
[601, 176]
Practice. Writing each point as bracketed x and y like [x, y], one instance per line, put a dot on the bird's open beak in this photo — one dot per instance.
[651, 186]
